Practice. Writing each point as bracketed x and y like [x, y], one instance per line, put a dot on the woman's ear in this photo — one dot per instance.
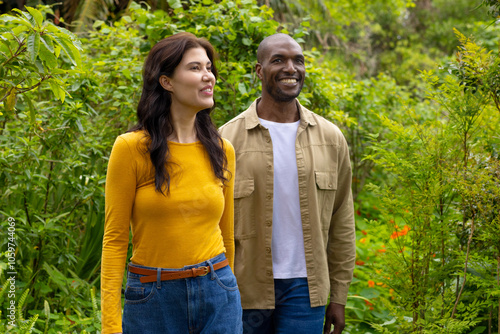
[166, 83]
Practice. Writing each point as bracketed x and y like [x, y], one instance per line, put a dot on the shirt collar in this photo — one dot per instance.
[252, 119]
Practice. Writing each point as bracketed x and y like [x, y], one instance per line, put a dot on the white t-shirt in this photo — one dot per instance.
[289, 259]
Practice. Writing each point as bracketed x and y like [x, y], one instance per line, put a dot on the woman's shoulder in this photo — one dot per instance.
[135, 141]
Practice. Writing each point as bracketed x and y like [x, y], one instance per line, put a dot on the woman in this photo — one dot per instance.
[170, 179]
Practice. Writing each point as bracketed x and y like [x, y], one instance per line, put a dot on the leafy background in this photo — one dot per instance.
[413, 84]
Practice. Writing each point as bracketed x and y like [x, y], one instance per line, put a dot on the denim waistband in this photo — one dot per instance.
[214, 260]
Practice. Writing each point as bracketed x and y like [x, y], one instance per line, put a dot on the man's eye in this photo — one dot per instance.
[276, 61]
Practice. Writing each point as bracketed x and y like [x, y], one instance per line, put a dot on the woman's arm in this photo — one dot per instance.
[120, 194]
[227, 220]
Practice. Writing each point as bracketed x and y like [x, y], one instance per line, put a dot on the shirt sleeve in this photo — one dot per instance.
[227, 219]
[342, 234]
[119, 199]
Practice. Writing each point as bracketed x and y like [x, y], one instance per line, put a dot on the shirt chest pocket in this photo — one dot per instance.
[244, 215]
[326, 186]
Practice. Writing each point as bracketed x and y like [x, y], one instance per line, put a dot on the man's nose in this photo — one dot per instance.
[290, 66]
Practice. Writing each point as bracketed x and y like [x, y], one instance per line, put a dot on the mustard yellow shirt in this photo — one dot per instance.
[192, 224]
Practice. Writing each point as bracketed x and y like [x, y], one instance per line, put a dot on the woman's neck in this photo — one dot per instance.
[184, 131]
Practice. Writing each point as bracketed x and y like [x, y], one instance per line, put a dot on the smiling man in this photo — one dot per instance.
[294, 217]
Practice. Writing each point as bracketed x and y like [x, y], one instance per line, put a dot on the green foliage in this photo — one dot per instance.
[445, 193]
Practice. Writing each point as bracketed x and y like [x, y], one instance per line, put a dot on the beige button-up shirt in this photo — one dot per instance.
[326, 208]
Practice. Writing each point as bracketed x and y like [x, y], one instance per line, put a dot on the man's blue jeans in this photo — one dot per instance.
[292, 314]
[205, 304]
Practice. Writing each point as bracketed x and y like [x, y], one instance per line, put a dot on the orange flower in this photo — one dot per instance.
[364, 232]
[362, 240]
[371, 284]
[360, 263]
[382, 250]
[379, 283]
[404, 231]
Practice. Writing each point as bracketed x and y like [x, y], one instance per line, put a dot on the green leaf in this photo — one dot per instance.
[246, 41]
[174, 4]
[97, 24]
[54, 87]
[242, 88]
[33, 45]
[28, 17]
[18, 20]
[36, 15]
[32, 109]
[48, 57]
[20, 28]
[47, 41]
[63, 43]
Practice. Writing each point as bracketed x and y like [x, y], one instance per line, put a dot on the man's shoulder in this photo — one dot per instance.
[323, 124]
[236, 122]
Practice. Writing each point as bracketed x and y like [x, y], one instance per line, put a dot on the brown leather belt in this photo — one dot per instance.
[170, 275]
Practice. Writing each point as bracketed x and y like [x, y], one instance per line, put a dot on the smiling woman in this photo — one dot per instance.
[170, 180]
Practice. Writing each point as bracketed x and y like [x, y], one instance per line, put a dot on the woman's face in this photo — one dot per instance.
[192, 83]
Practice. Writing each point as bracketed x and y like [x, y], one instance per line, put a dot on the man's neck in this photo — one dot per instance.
[277, 111]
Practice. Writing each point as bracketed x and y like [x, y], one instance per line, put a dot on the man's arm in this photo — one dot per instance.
[341, 244]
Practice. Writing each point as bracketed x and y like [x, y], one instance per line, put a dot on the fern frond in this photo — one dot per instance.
[27, 327]
[20, 305]
[4, 288]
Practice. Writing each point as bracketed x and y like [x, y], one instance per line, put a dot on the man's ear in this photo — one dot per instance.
[258, 70]
[166, 83]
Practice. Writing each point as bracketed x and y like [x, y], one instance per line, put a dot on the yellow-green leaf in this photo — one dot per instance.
[10, 101]
[36, 15]
[32, 109]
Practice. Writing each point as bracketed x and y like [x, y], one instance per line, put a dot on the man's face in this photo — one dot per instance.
[282, 70]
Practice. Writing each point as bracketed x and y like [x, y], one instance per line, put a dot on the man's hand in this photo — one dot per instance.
[335, 315]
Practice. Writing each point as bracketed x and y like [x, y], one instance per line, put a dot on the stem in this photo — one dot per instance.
[17, 53]
[26, 209]
[465, 269]
[495, 99]
[47, 189]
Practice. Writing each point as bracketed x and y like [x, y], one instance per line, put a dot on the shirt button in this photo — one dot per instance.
[268, 250]
[269, 223]
[268, 140]
[269, 197]
[269, 273]
[330, 185]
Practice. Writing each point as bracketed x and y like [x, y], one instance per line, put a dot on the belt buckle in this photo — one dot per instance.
[206, 270]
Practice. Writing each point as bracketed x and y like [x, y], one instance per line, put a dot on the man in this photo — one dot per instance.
[294, 219]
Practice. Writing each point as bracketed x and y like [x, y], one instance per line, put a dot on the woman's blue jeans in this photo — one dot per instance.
[205, 304]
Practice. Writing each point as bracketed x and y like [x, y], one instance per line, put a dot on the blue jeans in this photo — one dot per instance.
[205, 304]
[292, 314]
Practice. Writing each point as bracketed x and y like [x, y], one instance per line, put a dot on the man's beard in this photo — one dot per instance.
[280, 96]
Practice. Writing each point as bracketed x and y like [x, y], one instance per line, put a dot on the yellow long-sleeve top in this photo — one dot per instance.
[192, 224]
